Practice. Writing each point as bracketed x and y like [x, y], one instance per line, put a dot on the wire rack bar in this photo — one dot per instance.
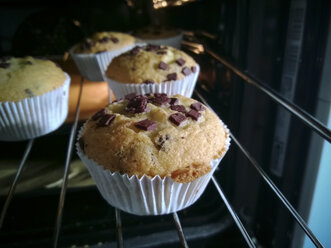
[273, 187]
[235, 217]
[14, 184]
[305, 117]
[67, 167]
[119, 233]
[180, 230]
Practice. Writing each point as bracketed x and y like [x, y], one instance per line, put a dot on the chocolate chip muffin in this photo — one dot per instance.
[151, 64]
[104, 41]
[33, 97]
[94, 53]
[28, 77]
[155, 135]
[153, 69]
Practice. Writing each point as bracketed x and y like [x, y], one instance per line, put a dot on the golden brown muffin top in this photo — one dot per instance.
[27, 77]
[155, 135]
[151, 64]
[104, 41]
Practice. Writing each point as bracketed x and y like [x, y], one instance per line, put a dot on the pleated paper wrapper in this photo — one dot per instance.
[145, 195]
[93, 66]
[35, 116]
[183, 87]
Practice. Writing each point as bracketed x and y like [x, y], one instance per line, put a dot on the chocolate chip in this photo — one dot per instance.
[193, 114]
[104, 39]
[133, 68]
[148, 82]
[135, 50]
[81, 143]
[4, 65]
[29, 92]
[106, 120]
[193, 69]
[137, 104]
[146, 125]
[130, 96]
[163, 66]
[197, 106]
[114, 39]
[177, 118]
[186, 71]
[172, 76]
[179, 108]
[180, 62]
[173, 101]
[161, 52]
[161, 142]
[160, 99]
[98, 114]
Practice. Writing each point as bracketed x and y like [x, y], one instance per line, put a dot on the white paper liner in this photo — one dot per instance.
[34, 116]
[93, 66]
[174, 41]
[183, 87]
[145, 195]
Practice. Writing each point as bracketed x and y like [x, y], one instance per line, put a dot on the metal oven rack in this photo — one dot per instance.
[303, 116]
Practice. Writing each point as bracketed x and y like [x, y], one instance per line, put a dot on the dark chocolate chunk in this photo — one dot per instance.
[193, 69]
[173, 101]
[4, 65]
[81, 143]
[186, 71]
[180, 62]
[114, 39]
[197, 106]
[162, 141]
[135, 50]
[160, 99]
[163, 66]
[179, 108]
[104, 39]
[148, 82]
[177, 118]
[193, 114]
[106, 120]
[137, 104]
[130, 96]
[98, 114]
[146, 125]
[161, 52]
[172, 76]
[29, 92]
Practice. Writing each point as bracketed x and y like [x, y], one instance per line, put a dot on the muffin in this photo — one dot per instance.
[153, 69]
[159, 35]
[152, 154]
[33, 97]
[93, 54]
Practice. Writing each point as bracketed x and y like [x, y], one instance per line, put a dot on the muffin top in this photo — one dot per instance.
[27, 77]
[104, 41]
[155, 135]
[151, 64]
[156, 32]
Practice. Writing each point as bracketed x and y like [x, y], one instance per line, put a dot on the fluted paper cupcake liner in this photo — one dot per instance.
[93, 66]
[34, 116]
[145, 195]
[183, 87]
[174, 41]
